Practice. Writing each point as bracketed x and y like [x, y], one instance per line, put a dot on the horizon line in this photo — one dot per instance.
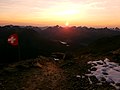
[61, 26]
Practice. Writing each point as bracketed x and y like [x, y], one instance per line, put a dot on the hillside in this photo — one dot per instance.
[35, 41]
[59, 58]
[104, 45]
[44, 73]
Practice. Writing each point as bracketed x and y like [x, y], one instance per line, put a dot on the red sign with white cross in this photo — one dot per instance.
[13, 39]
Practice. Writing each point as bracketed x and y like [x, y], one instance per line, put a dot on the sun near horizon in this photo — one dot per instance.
[94, 13]
[67, 24]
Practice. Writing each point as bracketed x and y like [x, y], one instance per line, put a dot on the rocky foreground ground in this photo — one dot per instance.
[47, 74]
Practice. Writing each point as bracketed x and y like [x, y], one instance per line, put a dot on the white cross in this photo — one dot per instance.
[12, 39]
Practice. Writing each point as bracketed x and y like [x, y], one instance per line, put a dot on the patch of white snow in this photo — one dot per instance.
[110, 71]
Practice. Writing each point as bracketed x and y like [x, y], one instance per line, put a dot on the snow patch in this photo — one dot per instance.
[64, 43]
[109, 71]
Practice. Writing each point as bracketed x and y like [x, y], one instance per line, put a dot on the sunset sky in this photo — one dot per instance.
[95, 13]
